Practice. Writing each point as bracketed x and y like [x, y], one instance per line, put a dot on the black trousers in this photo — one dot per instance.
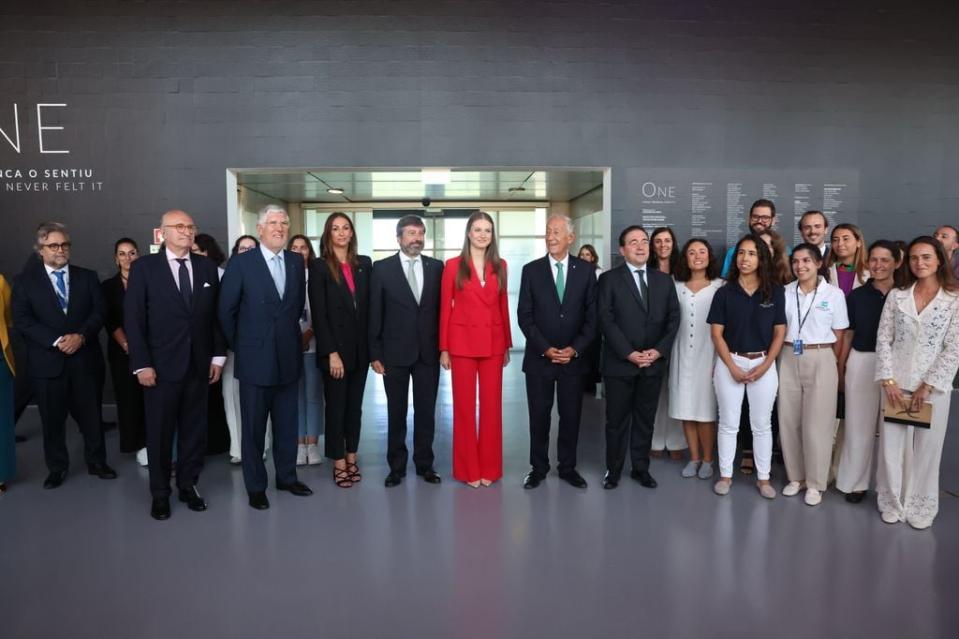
[396, 383]
[75, 393]
[281, 405]
[344, 411]
[630, 413]
[540, 390]
[131, 417]
[176, 408]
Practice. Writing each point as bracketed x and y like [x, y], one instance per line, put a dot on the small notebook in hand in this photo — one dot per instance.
[921, 418]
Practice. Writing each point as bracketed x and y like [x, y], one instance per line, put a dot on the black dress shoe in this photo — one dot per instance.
[533, 480]
[160, 509]
[610, 481]
[644, 478]
[54, 479]
[191, 497]
[259, 501]
[572, 478]
[102, 471]
[856, 497]
[429, 476]
[297, 488]
[393, 479]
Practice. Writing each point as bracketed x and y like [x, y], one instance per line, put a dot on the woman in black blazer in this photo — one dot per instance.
[129, 393]
[339, 290]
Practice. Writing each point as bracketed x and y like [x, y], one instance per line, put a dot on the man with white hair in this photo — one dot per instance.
[262, 296]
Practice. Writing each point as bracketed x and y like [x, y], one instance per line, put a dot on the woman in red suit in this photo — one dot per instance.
[475, 341]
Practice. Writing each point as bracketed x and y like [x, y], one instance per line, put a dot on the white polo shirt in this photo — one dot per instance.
[826, 308]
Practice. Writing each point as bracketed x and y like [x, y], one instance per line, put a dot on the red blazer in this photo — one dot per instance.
[474, 321]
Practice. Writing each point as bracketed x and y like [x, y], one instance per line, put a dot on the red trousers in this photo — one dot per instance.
[477, 456]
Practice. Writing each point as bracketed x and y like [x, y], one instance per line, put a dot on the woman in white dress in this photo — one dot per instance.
[691, 396]
[667, 432]
[917, 355]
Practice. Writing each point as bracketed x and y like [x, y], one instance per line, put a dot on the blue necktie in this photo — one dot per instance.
[61, 290]
[279, 277]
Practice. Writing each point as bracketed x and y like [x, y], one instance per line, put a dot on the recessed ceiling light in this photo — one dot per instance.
[435, 176]
[335, 191]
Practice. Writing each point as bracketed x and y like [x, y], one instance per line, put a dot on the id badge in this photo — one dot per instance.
[797, 347]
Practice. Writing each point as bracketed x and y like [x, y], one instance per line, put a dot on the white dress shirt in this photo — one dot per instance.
[268, 255]
[66, 284]
[171, 259]
[826, 307]
[564, 262]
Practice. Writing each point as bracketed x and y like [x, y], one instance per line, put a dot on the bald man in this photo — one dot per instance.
[176, 351]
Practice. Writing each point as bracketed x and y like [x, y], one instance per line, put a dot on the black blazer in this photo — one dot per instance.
[340, 319]
[163, 332]
[37, 315]
[262, 329]
[546, 322]
[403, 332]
[113, 296]
[628, 327]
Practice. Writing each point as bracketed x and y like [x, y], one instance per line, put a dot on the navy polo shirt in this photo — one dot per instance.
[864, 306]
[747, 320]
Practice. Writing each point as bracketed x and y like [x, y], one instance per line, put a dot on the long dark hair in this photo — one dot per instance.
[208, 245]
[765, 270]
[673, 257]
[309, 245]
[236, 245]
[682, 272]
[814, 253]
[328, 255]
[492, 253]
[592, 251]
[782, 273]
[859, 259]
[943, 274]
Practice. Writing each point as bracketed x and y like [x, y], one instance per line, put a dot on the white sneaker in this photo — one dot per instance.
[142, 457]
[890, 517]
[301, 454]
[792, 489]
[813, 497]
[313, 456]
[722, 487]
[236, 461]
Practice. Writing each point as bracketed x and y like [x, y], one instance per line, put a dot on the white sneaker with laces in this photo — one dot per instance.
[792, 489]
[142, 457]
[813, 497]
[301, 455]
[313, 456]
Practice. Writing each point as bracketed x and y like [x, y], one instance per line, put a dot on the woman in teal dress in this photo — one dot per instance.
[8, 453]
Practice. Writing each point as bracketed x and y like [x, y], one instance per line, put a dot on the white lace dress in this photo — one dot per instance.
[913, 348]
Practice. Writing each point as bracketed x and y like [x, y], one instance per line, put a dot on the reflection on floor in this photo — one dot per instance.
[448, 561]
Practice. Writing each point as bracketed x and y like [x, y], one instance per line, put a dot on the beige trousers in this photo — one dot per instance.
[861, 423]
[808, 386]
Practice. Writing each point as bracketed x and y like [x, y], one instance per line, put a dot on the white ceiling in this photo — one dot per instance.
[307, 185]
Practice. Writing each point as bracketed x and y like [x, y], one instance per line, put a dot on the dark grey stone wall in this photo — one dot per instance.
[163, 96]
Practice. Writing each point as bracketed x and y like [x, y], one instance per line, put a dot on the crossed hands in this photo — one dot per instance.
[644, 359]
[560, 355]
[70, 343]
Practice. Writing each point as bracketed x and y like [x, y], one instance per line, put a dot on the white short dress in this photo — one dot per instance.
[691, 394]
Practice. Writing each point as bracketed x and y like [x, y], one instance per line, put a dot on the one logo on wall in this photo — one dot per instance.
[36, 130]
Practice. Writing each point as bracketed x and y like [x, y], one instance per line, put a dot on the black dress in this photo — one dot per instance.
[129, 393]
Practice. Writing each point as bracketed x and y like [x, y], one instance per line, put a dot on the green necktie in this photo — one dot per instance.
[560, 281]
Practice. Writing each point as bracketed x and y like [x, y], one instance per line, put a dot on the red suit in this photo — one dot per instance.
[475, 330]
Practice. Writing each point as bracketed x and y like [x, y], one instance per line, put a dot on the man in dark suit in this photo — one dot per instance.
[176, 351]
[262, 296]
[404, 345]
[557, 314]
[639, 317]
[58, 308]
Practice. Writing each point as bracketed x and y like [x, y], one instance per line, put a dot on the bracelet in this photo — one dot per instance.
[889, 382]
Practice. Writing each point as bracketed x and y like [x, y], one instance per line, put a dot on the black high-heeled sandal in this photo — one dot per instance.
[341, 477]
[354, 472]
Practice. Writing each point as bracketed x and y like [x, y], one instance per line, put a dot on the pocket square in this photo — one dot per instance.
[206, 285]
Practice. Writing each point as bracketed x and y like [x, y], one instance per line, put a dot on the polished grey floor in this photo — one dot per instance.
[86, 560]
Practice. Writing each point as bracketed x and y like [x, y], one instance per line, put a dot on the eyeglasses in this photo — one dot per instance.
[762, 218]
[182, 228]
[244, 249]
[57, 247]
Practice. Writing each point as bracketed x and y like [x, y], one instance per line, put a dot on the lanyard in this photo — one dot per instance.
[799, 316]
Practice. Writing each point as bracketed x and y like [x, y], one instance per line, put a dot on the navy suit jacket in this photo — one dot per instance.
[546, 322]
[626, 324]
[38, 317]
[262, 329]
[403, 332]
[340, 318]
[163, 332]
